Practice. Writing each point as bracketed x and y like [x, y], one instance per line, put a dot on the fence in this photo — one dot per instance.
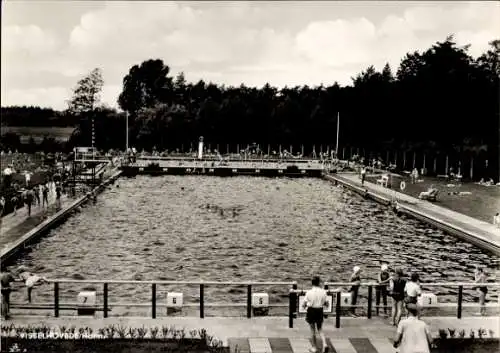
[293, 296]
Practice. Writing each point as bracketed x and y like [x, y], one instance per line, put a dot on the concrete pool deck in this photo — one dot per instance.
[250, 335]
[22, 230]
[470, 229]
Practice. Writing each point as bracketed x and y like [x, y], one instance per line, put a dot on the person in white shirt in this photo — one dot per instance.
[412, 289]
[363, 175]
[31, 280]
[315, 300]
[496, 220]
[413, 335]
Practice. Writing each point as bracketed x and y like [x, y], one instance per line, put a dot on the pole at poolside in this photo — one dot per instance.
[337, 144]
[471, 167]
[126, 131]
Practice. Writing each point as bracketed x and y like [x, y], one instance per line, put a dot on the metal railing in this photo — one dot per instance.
[292, 305]
[154, 286]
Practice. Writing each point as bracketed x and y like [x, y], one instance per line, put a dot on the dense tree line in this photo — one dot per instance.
[439, 102]
[35, 116]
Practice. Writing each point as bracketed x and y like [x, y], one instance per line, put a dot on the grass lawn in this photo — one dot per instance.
[482, 203]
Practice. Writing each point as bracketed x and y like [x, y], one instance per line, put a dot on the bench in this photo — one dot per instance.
[383, 180]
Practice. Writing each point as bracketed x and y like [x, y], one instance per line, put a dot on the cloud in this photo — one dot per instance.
[228, 43]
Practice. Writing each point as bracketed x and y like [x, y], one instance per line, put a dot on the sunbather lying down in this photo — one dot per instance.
[431, 193]
[31, 280]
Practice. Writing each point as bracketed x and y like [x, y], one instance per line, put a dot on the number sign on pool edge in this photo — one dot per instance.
[327, 309]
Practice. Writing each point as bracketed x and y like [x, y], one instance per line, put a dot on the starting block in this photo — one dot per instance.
[86, 302]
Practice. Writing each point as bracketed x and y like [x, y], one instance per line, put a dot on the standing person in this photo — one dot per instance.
[27, 176]
[58, 195]
[480, 277]
[356, 282]
[397, 291]
[45, 195]
[413, 335]
[363, 175]
[496, 220]
[314, 301]
[2, 208]
[412, 289]
[6, 278]
[38, 190]
[383, 282]
[14, 201]
[29, 200]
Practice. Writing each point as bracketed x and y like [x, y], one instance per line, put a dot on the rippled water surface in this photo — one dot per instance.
[160, 228]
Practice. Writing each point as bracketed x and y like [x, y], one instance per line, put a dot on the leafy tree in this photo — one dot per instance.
[85, 98]
[145, 86]
[86, 94]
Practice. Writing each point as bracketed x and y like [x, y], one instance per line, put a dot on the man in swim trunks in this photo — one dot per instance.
[31, 280]
[480, 277]
[356, 282]
[383, 282]
[6, 278]
[315, 301]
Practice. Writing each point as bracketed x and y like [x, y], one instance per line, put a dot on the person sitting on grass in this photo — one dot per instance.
[31, 280]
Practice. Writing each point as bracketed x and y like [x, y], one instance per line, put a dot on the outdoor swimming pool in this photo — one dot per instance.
[159, 228]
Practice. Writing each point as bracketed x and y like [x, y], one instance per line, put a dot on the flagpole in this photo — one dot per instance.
[337, 145]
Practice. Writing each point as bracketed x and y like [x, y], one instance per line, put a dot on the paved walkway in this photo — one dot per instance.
[258, 334]
[485, 230]
[16, 225]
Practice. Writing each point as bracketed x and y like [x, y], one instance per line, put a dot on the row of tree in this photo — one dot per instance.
[441, 100]
[36, 117]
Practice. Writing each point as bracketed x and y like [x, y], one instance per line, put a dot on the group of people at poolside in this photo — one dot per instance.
[412, 334]
[22, 274]
[32, 196]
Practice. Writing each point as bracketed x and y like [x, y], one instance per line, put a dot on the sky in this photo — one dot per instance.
[47, 46]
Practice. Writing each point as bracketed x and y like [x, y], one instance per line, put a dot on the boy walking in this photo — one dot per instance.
[315, 301]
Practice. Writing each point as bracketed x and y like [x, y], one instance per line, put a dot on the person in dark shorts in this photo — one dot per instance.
[14, 201]
[30, 197]
[397, 286]
[315, 300]
[6, 278]
[363, 175]
[58, 195]
[383, 282]
[45, 195]
[480, 277]
[356, 282]
[412, 289]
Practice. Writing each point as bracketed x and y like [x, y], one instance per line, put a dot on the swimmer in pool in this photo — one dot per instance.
[31, 280]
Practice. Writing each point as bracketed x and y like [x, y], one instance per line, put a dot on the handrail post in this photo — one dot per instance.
[370, 299]
[337, 310]
[153, 300]
[105, 300]
[56, 299]
[249, 301]
[292, 306]
[378, 294]
[326, 289]
[459, 308]
[202, 301]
